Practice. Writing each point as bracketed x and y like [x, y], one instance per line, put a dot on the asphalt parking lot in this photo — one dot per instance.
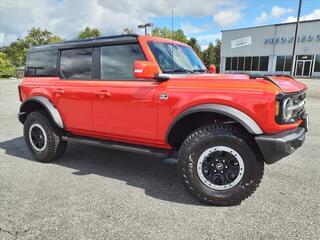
[95, 193]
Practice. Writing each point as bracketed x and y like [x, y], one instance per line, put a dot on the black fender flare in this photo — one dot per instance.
[247, 122]
[43, 101]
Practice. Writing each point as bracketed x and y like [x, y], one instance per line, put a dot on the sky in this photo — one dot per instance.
[203, 19]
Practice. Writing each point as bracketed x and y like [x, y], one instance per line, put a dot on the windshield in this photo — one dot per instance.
[173, 58]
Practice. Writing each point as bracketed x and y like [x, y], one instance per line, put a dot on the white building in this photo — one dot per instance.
[268, 49]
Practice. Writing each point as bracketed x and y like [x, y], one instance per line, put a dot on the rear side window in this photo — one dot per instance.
[117, 61]
[42, 64]
[76, 63]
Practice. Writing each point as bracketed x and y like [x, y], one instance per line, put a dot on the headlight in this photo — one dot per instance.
[287, 109]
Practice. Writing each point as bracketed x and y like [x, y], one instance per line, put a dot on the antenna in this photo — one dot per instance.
[172, 38]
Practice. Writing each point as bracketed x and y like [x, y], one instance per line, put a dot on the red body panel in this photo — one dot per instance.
[131, 111]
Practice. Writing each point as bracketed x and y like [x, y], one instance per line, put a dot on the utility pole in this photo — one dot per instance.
[295, 40]
[145, 26]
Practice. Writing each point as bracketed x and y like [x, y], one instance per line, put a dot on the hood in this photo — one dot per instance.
[288, 84]
[284, 83]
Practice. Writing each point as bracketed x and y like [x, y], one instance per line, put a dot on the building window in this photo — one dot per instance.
[283, 63]
[76, 63]
[288, 64]
[264, 62]
[247, 63]
[117, 61]
[280, 63]
[317, 64]
[255, 64]
[240, 63]
[234, 63]
[247, 66]
[228, 63]
[42, 63]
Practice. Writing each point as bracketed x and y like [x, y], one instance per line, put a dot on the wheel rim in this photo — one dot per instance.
[220, 168]
[37, 137]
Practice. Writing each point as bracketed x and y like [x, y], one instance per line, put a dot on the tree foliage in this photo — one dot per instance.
[89, 33]
[193, 42]
[212, 54]
[166, 33]
[17, 51]
[36, 37]
[6, 67]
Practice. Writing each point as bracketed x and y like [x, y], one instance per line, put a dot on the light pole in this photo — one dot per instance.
[295, 40]
[145, 26]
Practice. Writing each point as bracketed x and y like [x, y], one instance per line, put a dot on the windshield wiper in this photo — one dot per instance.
[199, 70]
[179, 70]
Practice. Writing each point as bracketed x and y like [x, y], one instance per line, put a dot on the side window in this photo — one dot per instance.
[76, 63]
[117, 61]
[42, 64]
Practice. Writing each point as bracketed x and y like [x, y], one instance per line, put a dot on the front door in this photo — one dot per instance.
[124, 108]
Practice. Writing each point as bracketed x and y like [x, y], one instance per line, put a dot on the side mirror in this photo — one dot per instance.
[145, 69]
[212, 69]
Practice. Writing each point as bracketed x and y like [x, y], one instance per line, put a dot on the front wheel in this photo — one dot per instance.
[219, 165]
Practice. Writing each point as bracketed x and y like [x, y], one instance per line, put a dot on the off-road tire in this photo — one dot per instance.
[220, 135]
[55, 146]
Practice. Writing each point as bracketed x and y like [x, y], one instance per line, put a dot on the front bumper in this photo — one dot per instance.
[276, 147]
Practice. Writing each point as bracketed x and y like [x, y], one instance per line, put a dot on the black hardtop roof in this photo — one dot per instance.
[114, 39]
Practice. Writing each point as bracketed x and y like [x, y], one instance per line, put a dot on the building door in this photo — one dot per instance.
[303, 68]
[303, 65]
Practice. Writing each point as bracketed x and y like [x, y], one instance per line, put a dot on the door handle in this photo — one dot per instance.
[58, 91]
[103, 93]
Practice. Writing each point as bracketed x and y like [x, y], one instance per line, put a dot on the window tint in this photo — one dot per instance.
[42, 63]
[247, 65]
[280, 63]
[234, 63]
[241, 63]
[317, 64]
[264, 61]
[228, 63]
[288, 63]
[255, 63]
[76, 63]
[117, 61]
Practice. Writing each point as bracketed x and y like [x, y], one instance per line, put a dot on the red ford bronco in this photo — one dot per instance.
[154, 96]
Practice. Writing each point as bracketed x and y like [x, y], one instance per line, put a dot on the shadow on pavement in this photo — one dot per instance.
[159, 180]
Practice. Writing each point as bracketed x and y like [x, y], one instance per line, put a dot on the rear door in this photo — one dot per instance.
[124, 108]
[72, 90]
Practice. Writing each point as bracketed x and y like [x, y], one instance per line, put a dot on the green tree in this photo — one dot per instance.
[6, 68]
[17, 51]
[177, 35]
[193, 42]
[212, 54]
[37, 36]
[89, 33]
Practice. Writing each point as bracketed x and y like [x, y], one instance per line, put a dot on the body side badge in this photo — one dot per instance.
[163, 96]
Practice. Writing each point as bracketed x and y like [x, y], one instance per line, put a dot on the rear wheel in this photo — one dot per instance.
[219, 165]
[43, 138]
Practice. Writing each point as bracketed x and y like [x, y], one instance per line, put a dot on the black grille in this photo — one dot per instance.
[299, 99]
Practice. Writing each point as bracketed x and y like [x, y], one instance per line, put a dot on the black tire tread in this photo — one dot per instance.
[194, 138]
[56, 145]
